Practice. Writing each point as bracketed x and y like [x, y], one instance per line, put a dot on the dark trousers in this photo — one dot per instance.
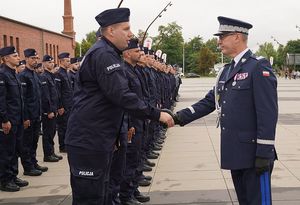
[49, 129]
[117, 170]
[62, 121]
[133, 160]
[10, 149]
[89, 175]
[252, 189]
[30, 143]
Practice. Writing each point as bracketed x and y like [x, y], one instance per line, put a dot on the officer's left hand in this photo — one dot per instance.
[6, 127]
[262, 165]
[167, 118]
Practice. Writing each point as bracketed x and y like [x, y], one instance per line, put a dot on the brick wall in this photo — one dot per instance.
[24, 36]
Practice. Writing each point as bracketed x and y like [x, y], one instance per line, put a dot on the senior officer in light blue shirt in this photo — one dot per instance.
[245, 97]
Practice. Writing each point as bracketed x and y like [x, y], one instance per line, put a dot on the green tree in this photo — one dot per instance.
[293, 46]
[280, 59]
[266, 50]
[212, 44]
[170, 41]
[191, 51]
[77, 50]
[206, 60]
[88, 42]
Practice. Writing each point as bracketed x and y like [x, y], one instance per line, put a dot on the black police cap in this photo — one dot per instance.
[146, 50]
[74, 60]
[133, 43]
[30, 52]
[22, 62]
[151, 52]
[228, 25]
[7, 51]
[80, 58]
[47, 58]
[38, 65]
[64, 55]
[113, 16]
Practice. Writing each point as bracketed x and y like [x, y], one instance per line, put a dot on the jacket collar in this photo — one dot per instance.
[238, 66]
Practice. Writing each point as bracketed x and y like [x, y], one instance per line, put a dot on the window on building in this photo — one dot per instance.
[18, 44]
[54, 54]
[50, 46]
[47, 52]
[5, 40]
[57, 50]
[11, 39]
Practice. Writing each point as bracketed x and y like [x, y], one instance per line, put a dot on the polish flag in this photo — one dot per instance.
[266, 73]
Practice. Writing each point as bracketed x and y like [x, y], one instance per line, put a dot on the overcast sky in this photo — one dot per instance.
[276, 18]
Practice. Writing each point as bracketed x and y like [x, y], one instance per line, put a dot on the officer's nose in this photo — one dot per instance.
[130, 34]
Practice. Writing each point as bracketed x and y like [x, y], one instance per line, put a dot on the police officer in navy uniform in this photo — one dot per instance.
[11, 119]
[65, 92]
[100, 98]
[49, 109]
[73, 68]
[245, 97]
[21, 66]
[32, 112]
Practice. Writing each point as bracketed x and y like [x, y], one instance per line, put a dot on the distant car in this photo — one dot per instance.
[192, 75]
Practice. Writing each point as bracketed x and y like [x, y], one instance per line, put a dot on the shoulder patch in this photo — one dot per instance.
[259, 57]
[113, 67]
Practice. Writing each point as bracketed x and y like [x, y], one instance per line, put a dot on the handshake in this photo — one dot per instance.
[168, 118]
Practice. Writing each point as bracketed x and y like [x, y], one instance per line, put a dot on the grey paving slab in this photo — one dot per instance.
[187, 171]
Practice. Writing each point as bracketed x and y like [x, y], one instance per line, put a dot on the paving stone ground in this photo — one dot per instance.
[188, 170]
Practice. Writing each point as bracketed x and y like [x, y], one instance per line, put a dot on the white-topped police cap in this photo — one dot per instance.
[113, 16]
[229, 25]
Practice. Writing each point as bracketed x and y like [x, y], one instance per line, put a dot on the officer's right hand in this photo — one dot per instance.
[166, 118]
[130, 134]
[61, 111]
[26, 124]
[51, 115]
[6, 127]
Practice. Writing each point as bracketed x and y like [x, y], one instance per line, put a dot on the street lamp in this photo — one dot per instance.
[272, 37]
[158, 16]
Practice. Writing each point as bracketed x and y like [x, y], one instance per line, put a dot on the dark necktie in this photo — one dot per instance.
[230, 69]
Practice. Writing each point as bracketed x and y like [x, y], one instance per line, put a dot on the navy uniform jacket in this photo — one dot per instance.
[31, 94]
[49, 93]
[11, 102]
[101, 95]
[135, 86]
[72, 75]
[249, 112]
[64, 88]
[139, 72]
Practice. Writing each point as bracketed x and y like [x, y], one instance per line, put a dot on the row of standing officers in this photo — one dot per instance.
[49, 97]
[28, 101]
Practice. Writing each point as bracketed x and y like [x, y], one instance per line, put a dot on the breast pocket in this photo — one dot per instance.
[13, 89]
[241, 85]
